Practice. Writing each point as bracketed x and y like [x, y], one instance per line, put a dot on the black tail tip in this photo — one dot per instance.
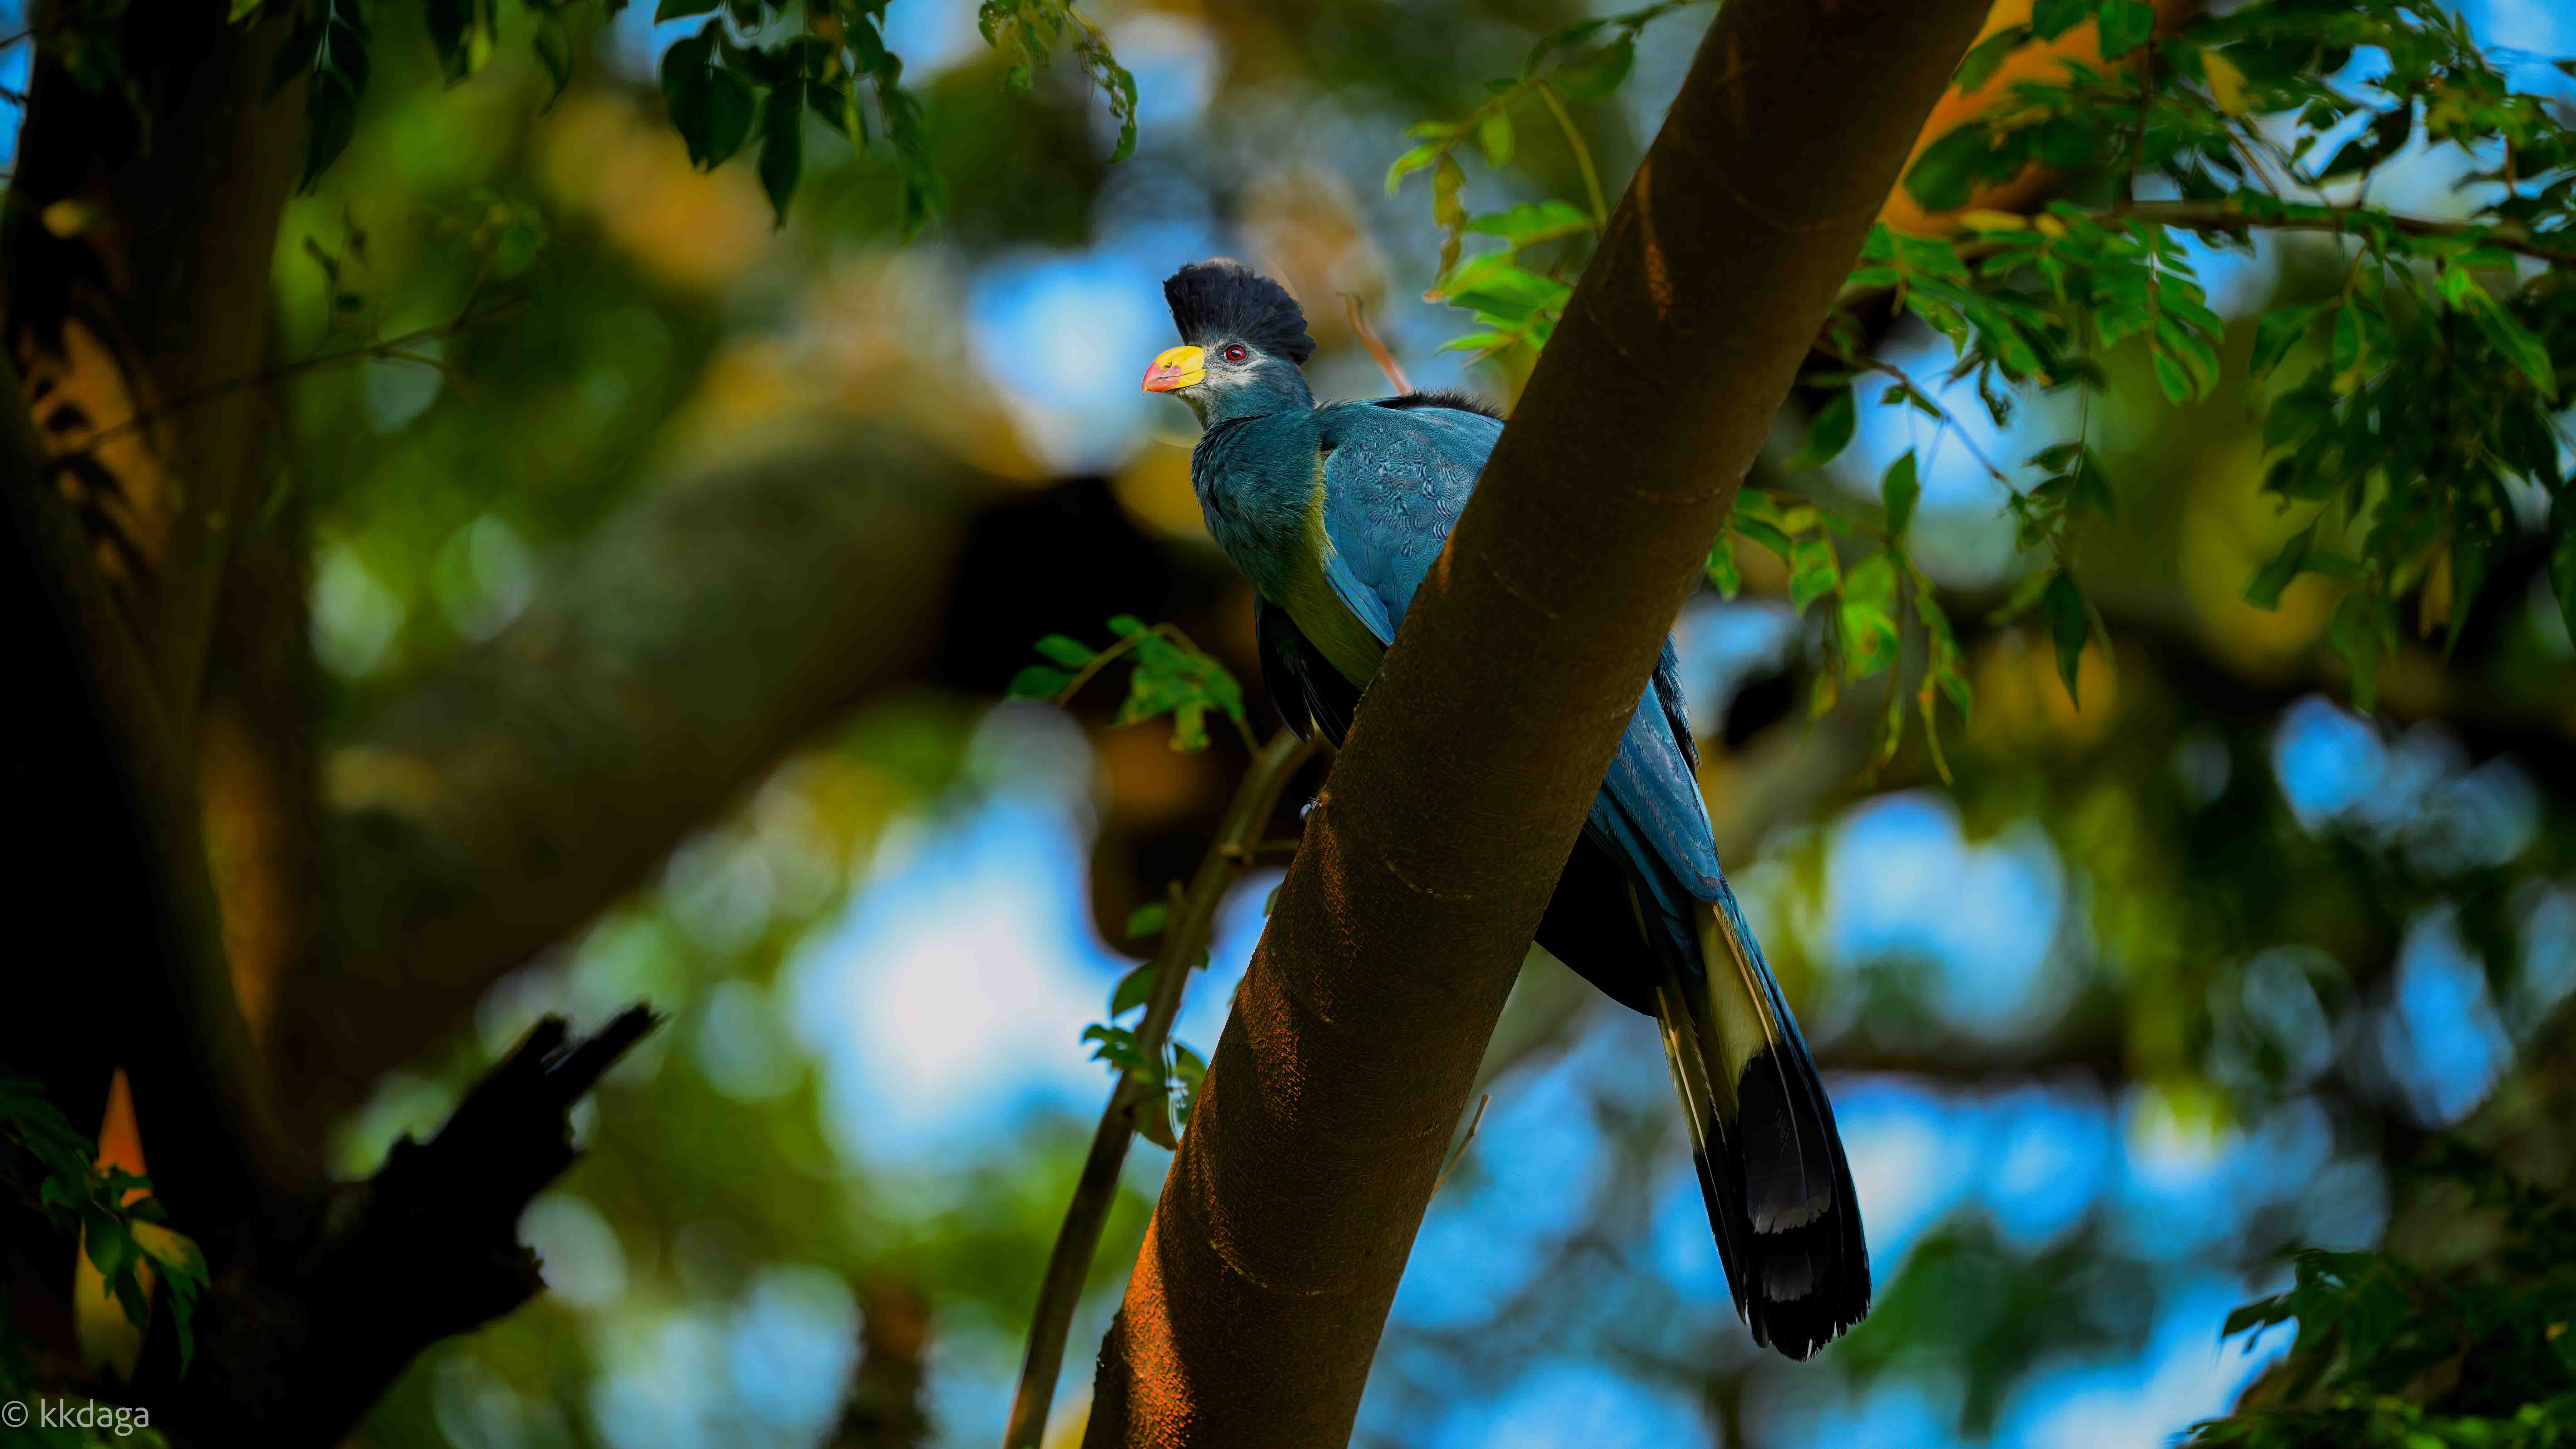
[1800, 1328]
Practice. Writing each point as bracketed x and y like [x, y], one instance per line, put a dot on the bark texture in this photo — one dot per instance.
[1266, 1276]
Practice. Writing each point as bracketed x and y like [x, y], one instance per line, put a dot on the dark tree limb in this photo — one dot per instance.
[306, 1327]
[1263, 1286]
[671, 660]
[118, 957]
[885, 1408]
[139, 255]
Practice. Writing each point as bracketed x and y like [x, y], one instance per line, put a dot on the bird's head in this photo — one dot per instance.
[1243, 339]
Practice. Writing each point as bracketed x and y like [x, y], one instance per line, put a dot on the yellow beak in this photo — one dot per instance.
[1177, 367]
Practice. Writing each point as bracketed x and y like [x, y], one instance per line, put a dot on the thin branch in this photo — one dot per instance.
[1582, 154]
[396, 349]
[1184, 936]
[2227, 216]
[1464, 1143]
[1376, 346]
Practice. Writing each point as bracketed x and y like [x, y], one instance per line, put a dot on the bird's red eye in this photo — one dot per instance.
[1236, 353]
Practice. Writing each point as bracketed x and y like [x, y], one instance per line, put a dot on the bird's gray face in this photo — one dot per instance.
[1204, 377]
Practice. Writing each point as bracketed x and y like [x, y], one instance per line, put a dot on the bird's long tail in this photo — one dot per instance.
[1770, 1162]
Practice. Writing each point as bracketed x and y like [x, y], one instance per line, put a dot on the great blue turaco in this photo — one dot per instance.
[1335, 512]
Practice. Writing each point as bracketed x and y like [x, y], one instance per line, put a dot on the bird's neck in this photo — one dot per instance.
[1269, 392]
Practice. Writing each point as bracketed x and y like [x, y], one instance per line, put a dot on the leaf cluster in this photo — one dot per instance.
[756, 69]
[1173, 1080]
[2390, 1353]
[46, 1166]
[1034, 28]
[1869, 608]
[1515, 298]
[2403, 413]
[2415, 396]
[726, 84]
[1171, 675]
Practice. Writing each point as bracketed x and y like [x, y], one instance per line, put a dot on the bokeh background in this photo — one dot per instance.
[2156, 988]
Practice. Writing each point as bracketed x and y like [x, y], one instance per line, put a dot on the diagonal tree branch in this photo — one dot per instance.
[1264, 1283]
[505, 799]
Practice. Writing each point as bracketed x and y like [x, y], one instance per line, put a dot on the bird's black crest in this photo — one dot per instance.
[1447, 397]
[1225, 298]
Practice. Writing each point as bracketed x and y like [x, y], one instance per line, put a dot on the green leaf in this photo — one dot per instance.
[1723, 575]
[1869, 631]
[1070, 652]
[782, 145]
[729, 112]
[1765, 534]
[2265, 590]
[2279, 331]
[1897, 490]
[2050, 19]
[2169, 376]
[1828, 433]
[1947, 173]
[1133, 990]
[554, 52]
[2296, 414]
[2125, 25]
[2519, 346]
[1419, 158]
[1982, 58]
[1813, 570]
[687, 94]
[2261, 1313]
[1126, 626]
[2062, 605]
[462, 32]
[1494, 138]
[330, 51]
[1188, 1072]
[1495, 278]
[1148, 920]
[1037, 682]
[1594, 74]
[1533, 222]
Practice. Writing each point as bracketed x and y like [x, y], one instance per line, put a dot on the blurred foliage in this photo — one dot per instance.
[2432, 375]
[547, 300]
[2390, 1354]
[758, 68]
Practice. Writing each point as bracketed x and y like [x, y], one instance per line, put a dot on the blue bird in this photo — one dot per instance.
[1335, 513]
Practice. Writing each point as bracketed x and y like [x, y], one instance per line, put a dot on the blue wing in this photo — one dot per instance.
[1395, 481]
[1770, 1159]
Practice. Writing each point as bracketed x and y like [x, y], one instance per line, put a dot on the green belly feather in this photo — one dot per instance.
[1308, 596]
